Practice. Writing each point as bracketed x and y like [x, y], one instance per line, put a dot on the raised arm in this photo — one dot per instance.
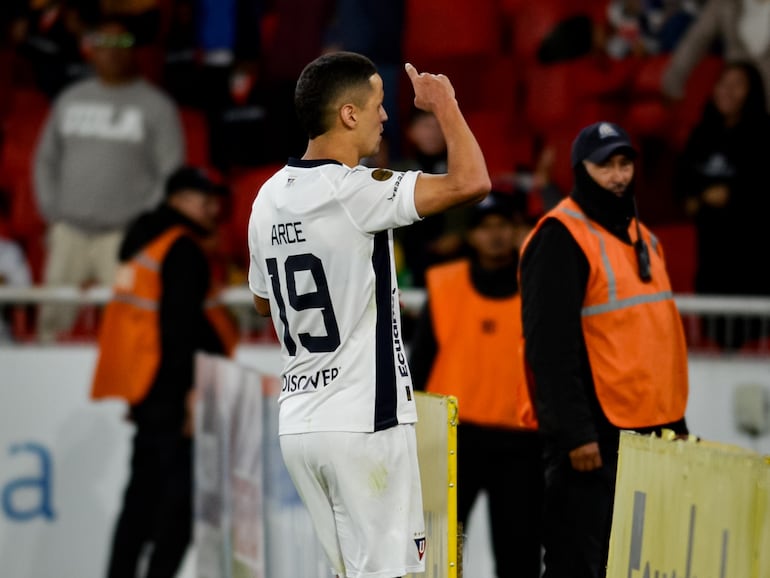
[467, 180]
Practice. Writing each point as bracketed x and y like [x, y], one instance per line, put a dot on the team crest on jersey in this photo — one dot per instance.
[381, 174]
[420, 543]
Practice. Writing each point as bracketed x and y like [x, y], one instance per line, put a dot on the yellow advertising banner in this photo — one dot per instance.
[437, 452]
[686, 509]
[763, 521]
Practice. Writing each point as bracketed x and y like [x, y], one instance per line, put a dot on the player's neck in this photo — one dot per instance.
[326, 147]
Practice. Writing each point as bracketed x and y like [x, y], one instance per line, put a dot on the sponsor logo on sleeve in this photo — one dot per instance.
[381, 174]
[395, 187]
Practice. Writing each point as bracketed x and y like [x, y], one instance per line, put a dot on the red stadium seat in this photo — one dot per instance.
[196, 135]
[7, 58]
[647, 80]
[759, 346]
[648, 114]
[22, 126]
[504, 145]
[569, 95]
[648, 118]
[244, 186]
[435, 29]
[28, 111]
[531, 22]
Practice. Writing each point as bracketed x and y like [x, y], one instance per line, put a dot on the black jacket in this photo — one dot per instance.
[184, 328]
[554, 276]
[735, 157]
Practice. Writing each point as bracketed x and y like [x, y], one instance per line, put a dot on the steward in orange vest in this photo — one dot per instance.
[604, 343]
[480, 350]
[130, 337]
[163, 311]
[469, 344]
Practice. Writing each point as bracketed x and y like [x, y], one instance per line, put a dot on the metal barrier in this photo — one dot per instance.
[713, 324]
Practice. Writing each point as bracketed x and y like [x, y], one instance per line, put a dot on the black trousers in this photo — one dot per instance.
[578, 515]
[157, 507]
[507, 464]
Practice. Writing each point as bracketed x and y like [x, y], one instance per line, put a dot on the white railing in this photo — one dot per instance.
[411, 299]
[701, 314]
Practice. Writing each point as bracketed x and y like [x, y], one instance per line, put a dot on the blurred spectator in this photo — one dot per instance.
[181, 70]
[163, 311]
[738, 29]
[228, 35]
[642, 27]
[14, 268]
[534, 191]
[723, 179]
[11, 15]
[228, 31]
[297, 38]
[105, 150]
[147, 19]
[469, 344]
[375, 29]
[436, 238]
[569, 38]
[49, 36]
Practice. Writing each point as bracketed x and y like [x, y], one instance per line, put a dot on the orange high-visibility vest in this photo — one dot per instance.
[480, 358]
[129, 335]
[632, 330]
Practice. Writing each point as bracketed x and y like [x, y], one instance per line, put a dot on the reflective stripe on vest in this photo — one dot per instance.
[632, 330]
[480, 354]
[130, 336]
[613, 302]
[147, 304]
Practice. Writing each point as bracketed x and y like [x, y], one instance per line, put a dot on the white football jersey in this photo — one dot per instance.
[321, 244]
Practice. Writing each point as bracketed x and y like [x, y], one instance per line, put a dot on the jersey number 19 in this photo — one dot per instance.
[318, 299]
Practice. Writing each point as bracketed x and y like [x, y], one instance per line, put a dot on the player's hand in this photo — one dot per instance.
[431, 91]
[586, 458]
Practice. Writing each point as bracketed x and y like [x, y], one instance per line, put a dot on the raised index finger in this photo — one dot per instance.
[411, 71]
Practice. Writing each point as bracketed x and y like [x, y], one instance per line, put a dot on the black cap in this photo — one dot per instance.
[599, 141]
[495, 203]
[194, 178]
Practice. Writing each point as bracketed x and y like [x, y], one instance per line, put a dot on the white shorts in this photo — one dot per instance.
[363, 494]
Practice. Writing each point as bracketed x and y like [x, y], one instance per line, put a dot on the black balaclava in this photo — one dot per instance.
[603, 206]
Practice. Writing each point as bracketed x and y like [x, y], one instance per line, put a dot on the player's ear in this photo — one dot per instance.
[349, 115]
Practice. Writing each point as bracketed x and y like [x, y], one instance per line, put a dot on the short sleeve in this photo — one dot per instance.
[257, 282]
[379, 199]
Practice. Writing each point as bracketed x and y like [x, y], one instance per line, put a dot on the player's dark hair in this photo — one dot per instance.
[322, 82]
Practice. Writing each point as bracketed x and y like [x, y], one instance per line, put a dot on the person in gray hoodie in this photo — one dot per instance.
[104, 153]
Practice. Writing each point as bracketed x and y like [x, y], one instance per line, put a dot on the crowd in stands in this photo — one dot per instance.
[528, 75]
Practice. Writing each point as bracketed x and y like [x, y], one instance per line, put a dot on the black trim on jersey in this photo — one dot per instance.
[303, 164]
[385, 397]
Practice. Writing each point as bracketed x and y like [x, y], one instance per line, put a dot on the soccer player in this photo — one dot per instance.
[321, 245]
